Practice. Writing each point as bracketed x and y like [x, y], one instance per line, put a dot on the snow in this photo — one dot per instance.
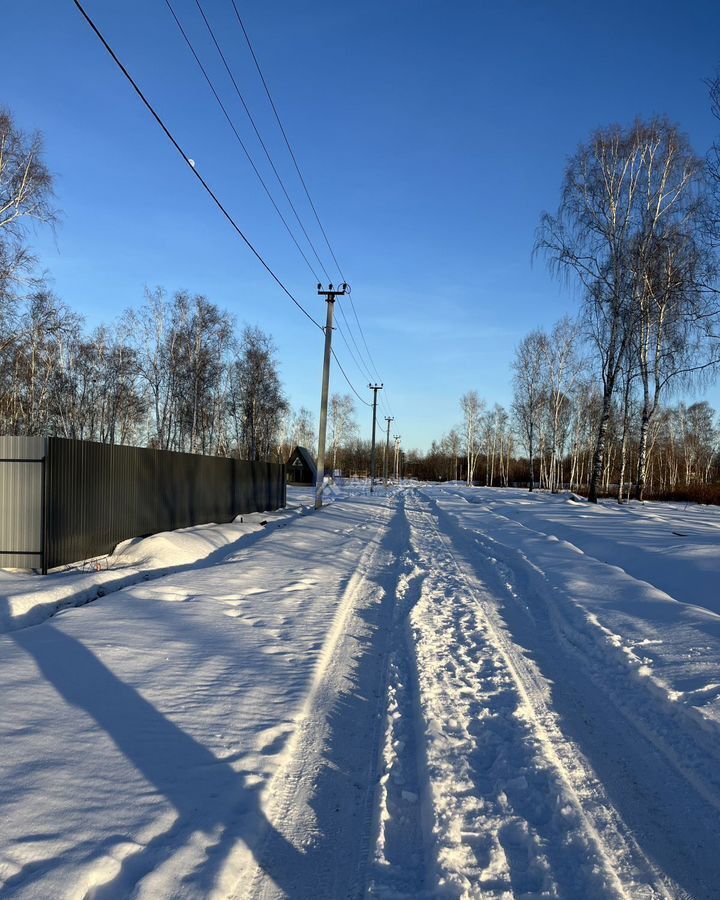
[437, 691]
[24, 601]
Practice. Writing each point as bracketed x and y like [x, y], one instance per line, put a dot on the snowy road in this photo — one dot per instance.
[578, 784]
[443, 692]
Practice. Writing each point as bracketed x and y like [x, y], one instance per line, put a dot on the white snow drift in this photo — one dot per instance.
[439, 692]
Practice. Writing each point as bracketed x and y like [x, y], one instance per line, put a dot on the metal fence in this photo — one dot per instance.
[64, 500]
[22, 502]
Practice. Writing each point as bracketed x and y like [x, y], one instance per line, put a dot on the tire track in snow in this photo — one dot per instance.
[320, 803]
[679, 732]
[402, 822]
[517, 810]
[661, 781]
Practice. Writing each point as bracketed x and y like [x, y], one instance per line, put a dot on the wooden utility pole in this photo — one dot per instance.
[330, 294]
[374, 388]
[386, 461]
[397, 456]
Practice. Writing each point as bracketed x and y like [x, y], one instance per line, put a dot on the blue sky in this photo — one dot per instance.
[431, 135]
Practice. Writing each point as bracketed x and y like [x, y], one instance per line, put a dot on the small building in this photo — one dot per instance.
[300, 467]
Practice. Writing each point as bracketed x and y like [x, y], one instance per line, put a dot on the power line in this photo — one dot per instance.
[358, 360]
[341, 332]
[352, 386]
[207, 187]
[389, 407]
[307, 192]
[191, 165]
[239, 139]
[383, 399]
[259, 137]
[362, 335]
[287, 142]
[364, 367]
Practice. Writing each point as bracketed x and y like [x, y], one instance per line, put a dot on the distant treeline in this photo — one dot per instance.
[637, 229]
[172, 373]
[684, 459]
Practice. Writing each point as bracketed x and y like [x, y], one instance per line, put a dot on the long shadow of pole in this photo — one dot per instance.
[206, 792]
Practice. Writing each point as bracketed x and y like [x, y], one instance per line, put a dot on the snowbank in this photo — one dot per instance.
[29, 599]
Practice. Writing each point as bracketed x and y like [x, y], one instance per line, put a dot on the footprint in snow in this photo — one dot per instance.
[298, 586]
[271, 740]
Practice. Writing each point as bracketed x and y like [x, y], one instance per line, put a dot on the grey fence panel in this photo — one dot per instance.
[86, 497]
[101, 494]
[22, 461]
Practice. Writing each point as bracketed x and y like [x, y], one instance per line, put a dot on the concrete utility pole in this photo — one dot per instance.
[374, 388]
[386, 461]
[330, 294]
[397, 455]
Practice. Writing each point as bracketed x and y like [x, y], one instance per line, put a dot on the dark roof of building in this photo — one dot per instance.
[306, 457]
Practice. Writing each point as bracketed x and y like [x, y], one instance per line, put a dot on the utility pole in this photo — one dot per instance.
[397, 456]
[374, 388]
[330, 294]
[386, 461]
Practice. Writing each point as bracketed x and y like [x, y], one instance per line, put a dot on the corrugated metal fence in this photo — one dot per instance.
[63, 500]
[22, 502]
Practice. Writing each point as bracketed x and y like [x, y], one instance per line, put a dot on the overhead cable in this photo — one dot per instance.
[259, 136]
[287, 142]
[305, 187]
[191, 164]
[357, 359]
[352, 386]
[239, 139]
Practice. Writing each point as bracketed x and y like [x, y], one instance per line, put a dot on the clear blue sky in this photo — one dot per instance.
[431, 134]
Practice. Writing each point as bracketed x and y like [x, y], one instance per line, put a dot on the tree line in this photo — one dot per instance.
[174, 372]
[637, 230]
[491, 445]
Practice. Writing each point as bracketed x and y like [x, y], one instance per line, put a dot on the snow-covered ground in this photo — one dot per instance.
[24, 600]
[438, 692]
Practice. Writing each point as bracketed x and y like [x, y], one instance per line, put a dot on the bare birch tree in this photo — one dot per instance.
[26, 196]
[342, 423]
[303, 429]
[155, 335]
[529, 390]
[561, 365]
[472, 408]
[620, 190]
[256, 397]
[713, 162]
